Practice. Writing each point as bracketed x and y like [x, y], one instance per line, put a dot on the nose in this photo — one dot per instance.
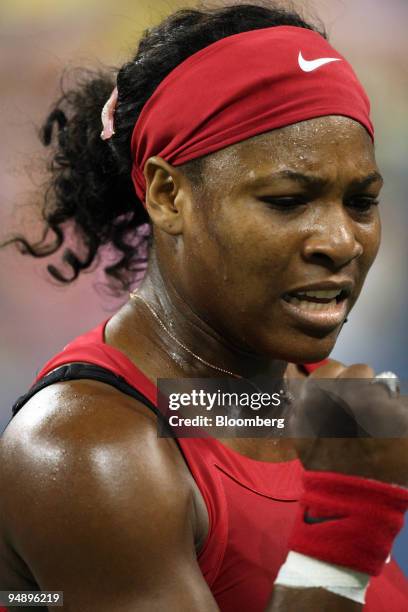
[332, 241]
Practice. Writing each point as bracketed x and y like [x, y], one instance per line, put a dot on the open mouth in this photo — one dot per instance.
[317, 300]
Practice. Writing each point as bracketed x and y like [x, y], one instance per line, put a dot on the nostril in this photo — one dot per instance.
[321, 255]
[320, 258]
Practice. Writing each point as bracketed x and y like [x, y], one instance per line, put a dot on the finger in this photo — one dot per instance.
[358, 388]
[358, 370]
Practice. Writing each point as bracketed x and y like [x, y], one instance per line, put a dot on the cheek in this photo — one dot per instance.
[370, 239]
[252, 248]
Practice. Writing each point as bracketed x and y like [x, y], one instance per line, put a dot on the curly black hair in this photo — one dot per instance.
[90, 189]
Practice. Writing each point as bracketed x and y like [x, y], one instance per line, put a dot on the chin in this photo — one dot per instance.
[314, 349]
[311, 356]
[303, 348]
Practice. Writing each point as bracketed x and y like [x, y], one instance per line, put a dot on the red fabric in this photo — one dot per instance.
[252, 505]
[240, 86]
[311, 367]
[364, 515]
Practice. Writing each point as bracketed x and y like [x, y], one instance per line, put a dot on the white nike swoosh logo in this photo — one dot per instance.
[310, 65]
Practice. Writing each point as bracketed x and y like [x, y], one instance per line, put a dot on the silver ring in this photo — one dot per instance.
[389, 380]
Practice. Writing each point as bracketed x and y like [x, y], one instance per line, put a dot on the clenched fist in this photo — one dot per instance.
[343, 420]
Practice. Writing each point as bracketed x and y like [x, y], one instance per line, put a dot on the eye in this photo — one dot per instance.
[284, 202]
[362, 203]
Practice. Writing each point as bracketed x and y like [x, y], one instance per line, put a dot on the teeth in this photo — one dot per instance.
[325, 294]
[306, 305]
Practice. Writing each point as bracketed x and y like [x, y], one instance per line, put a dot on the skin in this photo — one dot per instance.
[226, 238]
[86, 460]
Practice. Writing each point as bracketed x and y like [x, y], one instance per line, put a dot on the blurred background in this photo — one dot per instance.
[41, 38]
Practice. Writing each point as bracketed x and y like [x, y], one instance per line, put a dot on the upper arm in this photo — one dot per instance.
[97, 506]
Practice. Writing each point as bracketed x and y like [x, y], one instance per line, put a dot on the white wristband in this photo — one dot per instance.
[302, 571]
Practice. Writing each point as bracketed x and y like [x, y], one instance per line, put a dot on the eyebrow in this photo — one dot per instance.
[315, 181]
[367, 180]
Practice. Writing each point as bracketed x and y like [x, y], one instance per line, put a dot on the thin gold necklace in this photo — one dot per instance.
[134, 295]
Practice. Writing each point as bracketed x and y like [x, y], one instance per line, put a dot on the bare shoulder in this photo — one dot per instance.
[87, 442]
[90, 489]
[72, 426]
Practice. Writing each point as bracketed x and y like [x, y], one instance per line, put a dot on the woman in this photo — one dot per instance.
[248, 142]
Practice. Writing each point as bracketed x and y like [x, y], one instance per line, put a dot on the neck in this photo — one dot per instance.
[196, 334]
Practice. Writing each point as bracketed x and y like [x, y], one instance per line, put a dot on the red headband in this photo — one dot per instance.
[240, 86]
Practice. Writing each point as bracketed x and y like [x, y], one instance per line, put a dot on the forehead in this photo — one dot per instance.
[324, 145]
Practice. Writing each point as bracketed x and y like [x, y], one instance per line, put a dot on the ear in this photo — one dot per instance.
[165, 195]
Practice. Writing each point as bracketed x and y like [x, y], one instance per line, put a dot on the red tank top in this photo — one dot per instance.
[251, 504]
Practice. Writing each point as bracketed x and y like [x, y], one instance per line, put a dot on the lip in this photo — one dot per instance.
[342, 285]
[320, 320]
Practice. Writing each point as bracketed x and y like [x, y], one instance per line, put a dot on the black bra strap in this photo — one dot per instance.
[79, 371]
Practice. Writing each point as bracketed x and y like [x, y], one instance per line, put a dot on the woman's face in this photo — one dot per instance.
[280, 214]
